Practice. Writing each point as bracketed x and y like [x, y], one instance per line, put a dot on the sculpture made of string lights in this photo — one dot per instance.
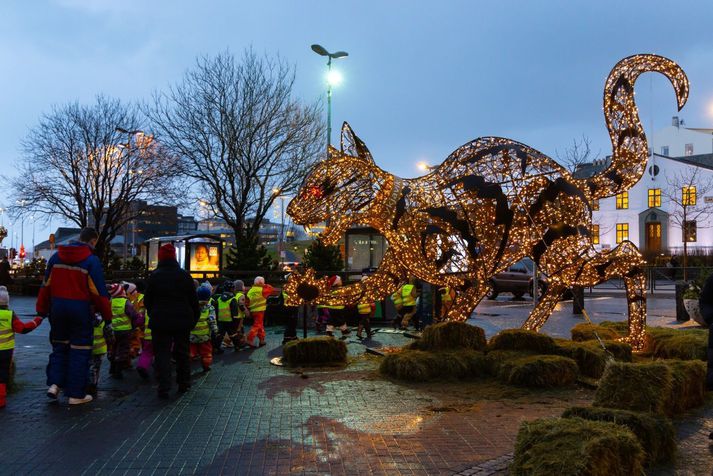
[491, 203]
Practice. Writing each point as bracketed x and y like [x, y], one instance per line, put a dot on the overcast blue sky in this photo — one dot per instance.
[421, 78]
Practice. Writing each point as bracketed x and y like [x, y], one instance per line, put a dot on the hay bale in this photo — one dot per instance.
[688, 385]
[689, 344]
[590, 359]
[586, 331]
[539, 371]
[637, 387]
[655, 433]
[573, 446]
[452, 335]
[314, 351]
[411, 365]
[620, 327]
[519, 339]
[496, 358]
[620, 350]
[421, 366]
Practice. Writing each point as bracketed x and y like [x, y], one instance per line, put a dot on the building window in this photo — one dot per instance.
[595, 205]
[689, 149]
[622, 200]
[688, 195]
[654, 197]
[622, 232]
[689, 231]
[595, 234]
[664, 150]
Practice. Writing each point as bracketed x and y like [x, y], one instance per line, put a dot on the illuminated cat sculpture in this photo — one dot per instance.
[492, 202]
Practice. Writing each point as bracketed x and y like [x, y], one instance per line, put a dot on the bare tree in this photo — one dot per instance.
[243, 137]
[81, 165]
[580, 153]
[686, 191]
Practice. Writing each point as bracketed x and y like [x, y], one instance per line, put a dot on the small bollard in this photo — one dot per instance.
[681, 313]
[577, 299]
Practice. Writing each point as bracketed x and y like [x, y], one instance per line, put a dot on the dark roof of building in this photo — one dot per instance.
[700, 160]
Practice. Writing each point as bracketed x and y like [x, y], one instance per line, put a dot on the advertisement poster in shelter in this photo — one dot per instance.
[204, 257]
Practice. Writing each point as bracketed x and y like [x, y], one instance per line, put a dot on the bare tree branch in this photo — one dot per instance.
[240, 133]
[78, 166]
[578, 154]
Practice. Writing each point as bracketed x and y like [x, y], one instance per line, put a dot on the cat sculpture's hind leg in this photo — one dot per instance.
[466, 300]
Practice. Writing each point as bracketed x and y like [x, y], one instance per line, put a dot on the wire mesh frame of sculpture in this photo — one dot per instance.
[491, 203]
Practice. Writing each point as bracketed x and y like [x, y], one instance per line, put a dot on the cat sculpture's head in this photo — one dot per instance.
[338, 191]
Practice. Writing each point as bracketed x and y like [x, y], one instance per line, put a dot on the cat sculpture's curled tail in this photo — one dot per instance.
[629, 145]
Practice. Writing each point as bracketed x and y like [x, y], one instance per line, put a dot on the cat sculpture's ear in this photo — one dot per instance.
[353, 145]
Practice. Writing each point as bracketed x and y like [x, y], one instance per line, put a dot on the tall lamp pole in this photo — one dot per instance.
[333, 79]
[129, 134]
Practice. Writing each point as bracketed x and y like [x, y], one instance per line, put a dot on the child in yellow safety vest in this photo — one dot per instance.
[10, 324]
[226, 312]
[135, 296]
[408, 297]
[201, 334]
[145, 359]
[124, 319]
[398, 305]
[366, 309]
[102, 335]
[337, 314]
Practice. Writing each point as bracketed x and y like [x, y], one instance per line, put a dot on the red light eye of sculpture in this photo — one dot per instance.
[315, 192]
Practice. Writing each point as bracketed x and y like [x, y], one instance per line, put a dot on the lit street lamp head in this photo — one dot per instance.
[334, 78]
[320, 50]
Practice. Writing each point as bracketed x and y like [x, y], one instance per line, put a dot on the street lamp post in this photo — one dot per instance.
[22, 204]
[129, 134]
[280, 237]
[333, 78]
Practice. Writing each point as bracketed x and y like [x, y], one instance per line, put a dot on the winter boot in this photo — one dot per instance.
[3, 394]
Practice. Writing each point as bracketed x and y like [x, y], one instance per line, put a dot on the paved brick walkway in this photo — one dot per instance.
[250, 417]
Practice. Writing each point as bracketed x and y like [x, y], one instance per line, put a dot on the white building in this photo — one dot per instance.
[644, 214]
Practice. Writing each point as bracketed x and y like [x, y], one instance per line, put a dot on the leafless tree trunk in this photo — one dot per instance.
[686, 191]
[243, 137]
[78, 166]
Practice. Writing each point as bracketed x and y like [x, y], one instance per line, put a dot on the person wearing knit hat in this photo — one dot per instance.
[167, 252]
[337, 313]
[257, 304]
[10, 324]
[365, 309]
[172, 306]
[132, 295]
[123, 321]
[201, 334]
[226, 311]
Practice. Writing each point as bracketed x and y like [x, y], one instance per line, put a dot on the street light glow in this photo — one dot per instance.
[422, 165]
[334, 77]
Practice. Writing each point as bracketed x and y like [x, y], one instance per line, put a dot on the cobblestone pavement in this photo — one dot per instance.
[249, 417]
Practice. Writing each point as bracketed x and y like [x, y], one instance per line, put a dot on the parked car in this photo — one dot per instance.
[516, 279]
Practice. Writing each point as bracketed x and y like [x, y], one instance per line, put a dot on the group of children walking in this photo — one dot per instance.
[223, 310]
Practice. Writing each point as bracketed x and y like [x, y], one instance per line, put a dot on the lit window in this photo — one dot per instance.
[664, 150]
[622, 232]
[595, 205]
[654, 197]
[688, 195]
[622, 200]
[595, 234]
[689, 149]
[689, 231]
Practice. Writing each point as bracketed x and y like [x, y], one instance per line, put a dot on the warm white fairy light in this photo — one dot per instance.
[493, 202]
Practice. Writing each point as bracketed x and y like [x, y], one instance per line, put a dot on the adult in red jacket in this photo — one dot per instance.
[72, 291]
[172, 305]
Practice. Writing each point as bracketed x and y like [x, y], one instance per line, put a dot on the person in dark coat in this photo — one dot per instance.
[172, 305]
[706, 306]
[5, 278]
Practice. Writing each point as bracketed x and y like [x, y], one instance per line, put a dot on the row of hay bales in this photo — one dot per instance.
[454, 350]
[628, 427]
